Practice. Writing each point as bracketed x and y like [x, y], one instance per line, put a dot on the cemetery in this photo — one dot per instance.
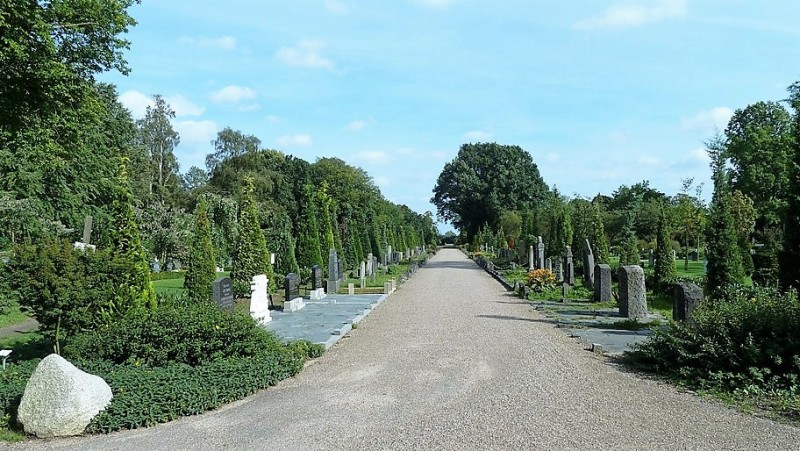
[142, 282]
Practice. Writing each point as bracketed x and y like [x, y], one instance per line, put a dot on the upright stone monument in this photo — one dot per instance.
[539, 254]
[223, 293]
[569, 266]
[259, 300]
[292, 301]
[602, 283]
[333, 272]
[531, 258]
[687, 297]
[558, 269]
[87, 234]
[651, 259]
[317, 291]
[370, 268]
[588, 266]
[548, 264]
[632, 295]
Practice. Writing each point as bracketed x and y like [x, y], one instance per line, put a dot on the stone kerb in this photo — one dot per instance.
[632, 295]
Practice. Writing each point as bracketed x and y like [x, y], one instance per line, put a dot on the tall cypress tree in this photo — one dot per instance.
[252, 256]
[135, 290]
[308, 247]
[665, 264]
[597, 236]
[200, 276]
[724, 258]
[630, 246]
[789, 271]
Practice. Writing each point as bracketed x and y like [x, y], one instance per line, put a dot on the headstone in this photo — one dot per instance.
[87, 229]
[687, 296]
[292, 301]
[340, 271]
[539, 254]
[259, 299]
[569, 267]
[156, 265]
[390, 254]
[351, 289]
[694, 255]
[674, 255]
[651, 259]
[362, 270]
[564, 291]
[548, 264]
[223, 293]
[632, 296]
[398, 257]
[363, 282]
[588, 266]
[531, 259]
[170, 266]
[559, 270]
[374, 265]
[333, 275]
[316, 277]
[602, 283]
[61, 400]
[370, 267]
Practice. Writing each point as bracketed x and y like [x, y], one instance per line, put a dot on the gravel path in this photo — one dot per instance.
[451, 362]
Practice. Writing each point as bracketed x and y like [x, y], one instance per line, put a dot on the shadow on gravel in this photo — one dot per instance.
[469, 264]
[514, 318]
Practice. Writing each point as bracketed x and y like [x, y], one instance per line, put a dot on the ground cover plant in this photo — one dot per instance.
[742, 346]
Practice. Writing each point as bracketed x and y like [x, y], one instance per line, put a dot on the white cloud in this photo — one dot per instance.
[372, 157]
[646, 160]
[272, 119]
[233, 94]
[136, 103]
[249, 108]
[224, 42]
[439, 155]
[435, 4]
[356, 126]
[196, 137]
[700, 154]
[336, 7]
[552, 157]
[183, 106]
[708, 121]
[634, 14]
[478, 135]
[305, 54]
[295, 140]
[406, 152]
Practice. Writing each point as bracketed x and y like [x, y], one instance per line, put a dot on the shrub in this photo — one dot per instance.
[12, 385]
[167, 275]
[191, 334]
[541, 279]
[747, 338]
[200, 276]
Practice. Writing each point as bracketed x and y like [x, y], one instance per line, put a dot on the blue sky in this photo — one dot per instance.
[600, 92]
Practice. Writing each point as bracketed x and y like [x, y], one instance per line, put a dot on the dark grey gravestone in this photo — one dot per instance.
[687, 296]
[602, 283]
[333, 268]
[588, 266]
[548, 264]
[292, 287]
[539, 254]
[632, 296]
[564, 291]
[316, 277]
[694, 256]
[340, 271]
[559, 270]
[223, 293]
[569, 266]
[87, 229]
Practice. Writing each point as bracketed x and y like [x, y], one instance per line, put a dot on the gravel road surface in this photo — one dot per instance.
[452, 362]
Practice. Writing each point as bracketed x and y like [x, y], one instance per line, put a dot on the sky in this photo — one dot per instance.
[601, 93]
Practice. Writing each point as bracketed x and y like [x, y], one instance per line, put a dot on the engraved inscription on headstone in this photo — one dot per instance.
[223, 293]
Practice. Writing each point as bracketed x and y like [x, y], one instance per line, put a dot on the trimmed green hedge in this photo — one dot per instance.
[167, 275]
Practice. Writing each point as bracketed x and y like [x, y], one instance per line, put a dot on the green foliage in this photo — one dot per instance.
[167, 275]
[308, 246]
[134, 290]
[252, 256]
[12, 385]
[746, 337]
[189, 334]
[67, 289]
[202, 270]
[789, 275]
[665, 263]
[485, 180]
[597, 237]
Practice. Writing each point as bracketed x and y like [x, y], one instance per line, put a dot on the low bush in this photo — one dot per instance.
[12, 384]
[190, 334]
[541, 280]
[746, 339]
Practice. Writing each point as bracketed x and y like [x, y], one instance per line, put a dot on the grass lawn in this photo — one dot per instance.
[14, 316]
[175, 286]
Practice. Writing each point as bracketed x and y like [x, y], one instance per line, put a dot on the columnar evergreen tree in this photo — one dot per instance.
[327, 226]
[252, 256]
[135, 290]
[724, 258]
[790, 255]
[665, 264]
[200, 276]
[630, 246]
[597, 237]
[308, 249]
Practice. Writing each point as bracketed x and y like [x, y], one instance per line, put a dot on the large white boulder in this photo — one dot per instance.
[60, 399]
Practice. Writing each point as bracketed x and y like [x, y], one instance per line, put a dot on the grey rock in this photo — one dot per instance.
[602, 283]
[61, 400]
[687, 296]
[632, 295]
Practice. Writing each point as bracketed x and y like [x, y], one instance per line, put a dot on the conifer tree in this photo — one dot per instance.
[665, 264]
[629, 254]
[135, 290]
[200, 276]
[789, 269]
[308, 249]
[597, 237]
[724, 257]
[252, 256]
